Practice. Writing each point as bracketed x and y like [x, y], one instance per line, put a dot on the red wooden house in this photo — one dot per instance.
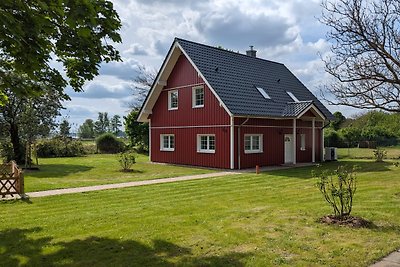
[216, 108]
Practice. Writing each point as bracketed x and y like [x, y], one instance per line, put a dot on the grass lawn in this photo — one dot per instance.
[254, 220]
[367, 153]
[97, 169]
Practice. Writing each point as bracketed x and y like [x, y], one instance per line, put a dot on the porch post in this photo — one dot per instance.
[313, 140]
[322, 144]
[232, 143]
[294, 141]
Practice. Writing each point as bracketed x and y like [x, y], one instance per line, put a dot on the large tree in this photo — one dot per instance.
[115, 124]
[86, 130]
[76, 33]
[24, 119]
[142, 84]
[365, 58]
[102, 125]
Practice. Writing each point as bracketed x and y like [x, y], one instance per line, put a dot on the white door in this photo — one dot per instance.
[288, 148]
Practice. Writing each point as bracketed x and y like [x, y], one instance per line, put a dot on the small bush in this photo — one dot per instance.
[126, 160]
[379, 154]
[59, 147]
[109, 143]
[338, 188]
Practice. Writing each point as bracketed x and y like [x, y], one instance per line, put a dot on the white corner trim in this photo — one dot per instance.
[232, 143]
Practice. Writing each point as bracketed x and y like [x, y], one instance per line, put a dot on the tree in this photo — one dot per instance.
[365, 61]
[142, 84]
[102, 125]
[339, 119]
[137, 132]
[115, 124]
[64, 128]
[76, 33]
[86, 130]
[24, 119]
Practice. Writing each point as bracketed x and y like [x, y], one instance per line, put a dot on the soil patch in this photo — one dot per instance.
[350, 221]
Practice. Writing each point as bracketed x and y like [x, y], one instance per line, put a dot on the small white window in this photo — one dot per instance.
[173, 100]
[263, 92]
[205, 143]
[167, 142]
[253, 143]
[292, 96]
[198, 97]
[302, 142]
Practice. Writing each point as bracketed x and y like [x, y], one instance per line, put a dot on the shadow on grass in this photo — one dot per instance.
[305, 172]
[57, 170]
[19, 248]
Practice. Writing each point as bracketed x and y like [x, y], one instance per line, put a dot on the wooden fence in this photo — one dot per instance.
[11, 180]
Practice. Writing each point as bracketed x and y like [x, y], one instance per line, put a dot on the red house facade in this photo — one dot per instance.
[214, 108]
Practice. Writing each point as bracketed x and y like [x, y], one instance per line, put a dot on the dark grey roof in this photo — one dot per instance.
[293, 109]
[234, 77]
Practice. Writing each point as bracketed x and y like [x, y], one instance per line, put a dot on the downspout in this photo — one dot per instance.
[239, 146]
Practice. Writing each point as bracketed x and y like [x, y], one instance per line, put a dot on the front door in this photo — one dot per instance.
[288, 148]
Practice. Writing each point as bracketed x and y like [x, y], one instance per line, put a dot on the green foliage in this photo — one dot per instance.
[102, 125]
[338, 188]
[115, 124]
[332, 138]
[126, 160]
[86, 130]
[64, 128]
[6, 150]
[137, 132]
[109, 143]
[339, 119]
[76, 33]
[379, 154]
[59, 147]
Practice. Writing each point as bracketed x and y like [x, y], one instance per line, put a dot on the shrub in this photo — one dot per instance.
[6, 151]
[338, 188]
[109, 143]
[126, 160]
[379, 154]
[59, 147]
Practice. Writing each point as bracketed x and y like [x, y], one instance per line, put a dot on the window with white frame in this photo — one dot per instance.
[206, 143]
[292, 96]
[253, 143]
[173, 100]
[198, 97]
[302, 142]
[167, 142]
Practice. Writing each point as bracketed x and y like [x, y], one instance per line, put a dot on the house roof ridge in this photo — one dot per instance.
[228, 51]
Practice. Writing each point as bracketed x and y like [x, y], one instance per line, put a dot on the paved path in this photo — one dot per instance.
[391, 260]
[128, 184]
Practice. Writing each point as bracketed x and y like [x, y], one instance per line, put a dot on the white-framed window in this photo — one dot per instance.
[206, 143]
[263, 92]
[253, 143]
[302, 142]
[173, 99]
[292, 96]
[167, 142]
[198, 97]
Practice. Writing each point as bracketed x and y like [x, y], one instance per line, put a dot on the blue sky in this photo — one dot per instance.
[285, 31]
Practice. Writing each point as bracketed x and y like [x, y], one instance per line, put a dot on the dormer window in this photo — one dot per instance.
[292, 96]
[263, 92]
[173, 100]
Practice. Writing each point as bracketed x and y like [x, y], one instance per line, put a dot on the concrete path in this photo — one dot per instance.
[392, 260]
[128, 184]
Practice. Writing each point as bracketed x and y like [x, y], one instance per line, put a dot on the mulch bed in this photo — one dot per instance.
[350, 221]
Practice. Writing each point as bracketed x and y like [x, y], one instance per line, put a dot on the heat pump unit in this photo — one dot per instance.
[330, 153]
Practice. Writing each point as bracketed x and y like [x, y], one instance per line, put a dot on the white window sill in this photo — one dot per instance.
[202, 106]
[206, 151]
[302, 149]
[168, 149]
[172, 108]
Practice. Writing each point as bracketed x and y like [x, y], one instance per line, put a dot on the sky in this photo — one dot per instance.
[284, 31]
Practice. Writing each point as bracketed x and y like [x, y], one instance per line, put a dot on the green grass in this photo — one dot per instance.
[253, 220]
[367, 153]
[97, 169]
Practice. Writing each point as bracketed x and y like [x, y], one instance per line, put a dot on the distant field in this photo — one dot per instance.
[97, 169]
[367, 153]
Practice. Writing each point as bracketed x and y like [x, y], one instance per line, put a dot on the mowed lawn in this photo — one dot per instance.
[242, 220]
[368, 153]
[97, 169]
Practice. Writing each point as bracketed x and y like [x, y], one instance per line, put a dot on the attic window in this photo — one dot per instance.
[295, 99]
[264, 94]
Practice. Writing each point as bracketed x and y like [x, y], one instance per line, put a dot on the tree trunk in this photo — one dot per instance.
[14, 134]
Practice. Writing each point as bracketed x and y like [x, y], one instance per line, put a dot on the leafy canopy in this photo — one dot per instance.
[73, 32]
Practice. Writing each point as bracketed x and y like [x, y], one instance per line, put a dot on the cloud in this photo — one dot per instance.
[136, 50]
[125, 70]
[105, 88]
